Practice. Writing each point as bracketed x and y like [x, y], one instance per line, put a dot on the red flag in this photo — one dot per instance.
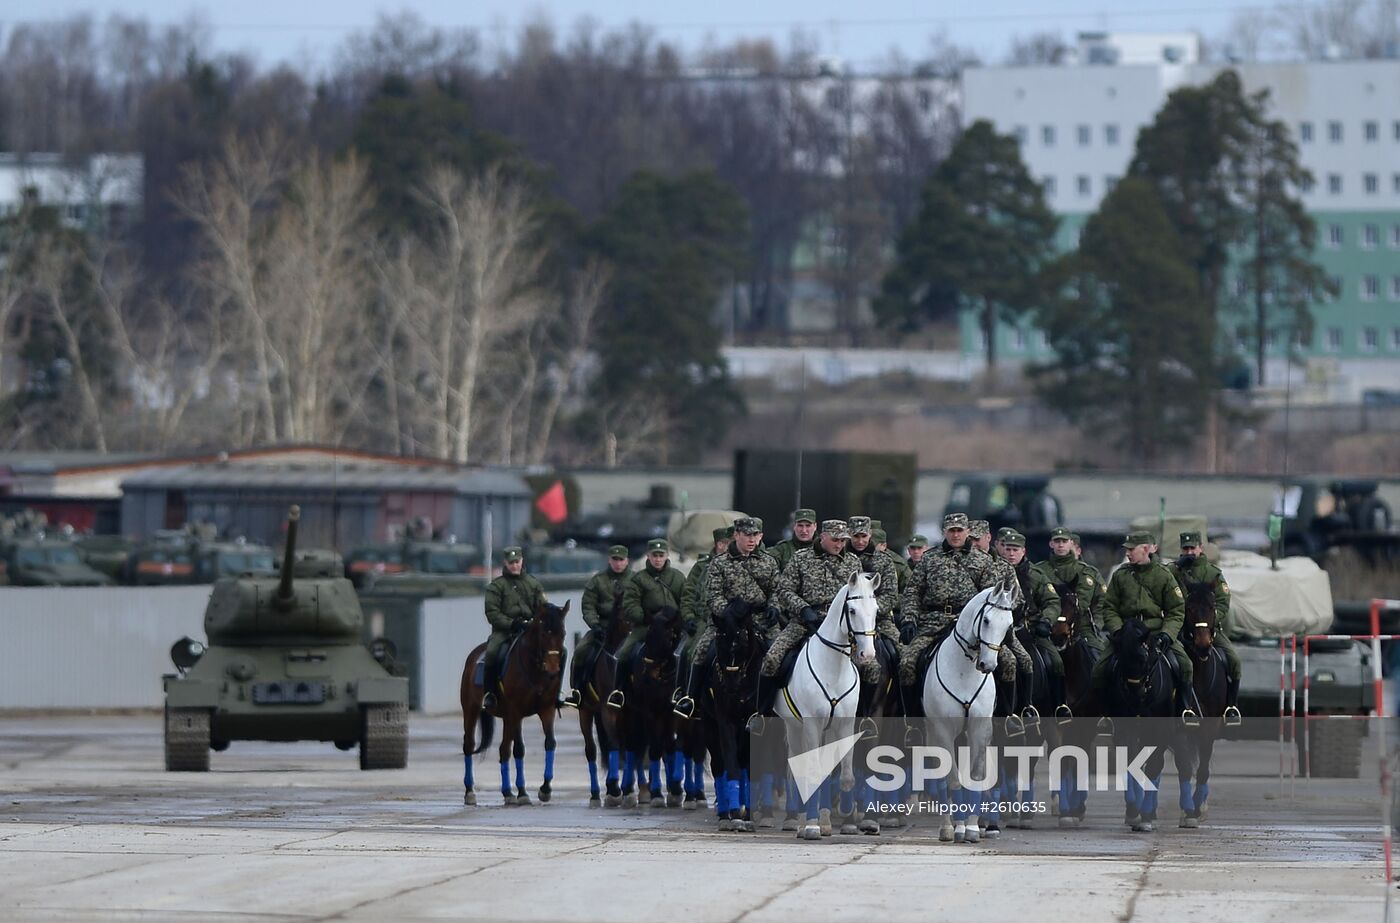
[552, 504]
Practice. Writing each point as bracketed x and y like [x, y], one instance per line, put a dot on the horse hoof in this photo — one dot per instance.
[973, 835]
[629, 801]
[689, 805]
[1189, 822]
[673, 801]
[744, 826]
[767, 822]
[790, 822]
[992, 831]
[1145, 826]
[545, 796]
[810, 832]
[595, 802]
[824, 821]
[1067, 822]
[612, 801]
[644, 797]
[870, 827]
[850, 830]
[469, 798]
[1132, 819]
[895, 822]
[522, 799]
[959, 836]
[945, 834]
[725, 825]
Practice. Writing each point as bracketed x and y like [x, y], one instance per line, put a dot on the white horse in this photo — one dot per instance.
[824, 689]
[959, 692]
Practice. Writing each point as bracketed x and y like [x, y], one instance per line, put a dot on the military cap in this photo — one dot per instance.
[1138, 538]
[876, 524]
[1074, 537]
[513, 553]
[1002, 533]
[657, 544]
[955, 521]
[1062, 532]
[836, 528]
[804, 515]
[749, 525]
[1012, 539]
[917, 541]
[978, 528]
[879, 536]
[859, 525]
[1191, 538]
[723, 534]
[617, 551]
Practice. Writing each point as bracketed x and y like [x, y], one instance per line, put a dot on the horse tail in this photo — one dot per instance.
[488, 731]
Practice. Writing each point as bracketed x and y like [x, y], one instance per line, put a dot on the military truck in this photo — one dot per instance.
[627, 522]
[285, 660]
[35, 558]
[106, 553]
[411, 556]
[1319, 515]
[835, 484]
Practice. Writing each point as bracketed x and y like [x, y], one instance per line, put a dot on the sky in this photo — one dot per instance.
[304, 32]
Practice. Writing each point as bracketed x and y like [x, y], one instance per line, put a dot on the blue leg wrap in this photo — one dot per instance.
[593, 778]
[468, 778]
[505, 777]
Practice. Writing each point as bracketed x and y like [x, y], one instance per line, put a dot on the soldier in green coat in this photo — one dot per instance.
[1144, 589]
[1071, 575]
[1193, 568]
[804, 535]
[512, 599]
[693, 610]
[601, 596]
[651, 589]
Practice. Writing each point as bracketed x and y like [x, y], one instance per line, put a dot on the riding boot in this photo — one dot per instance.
[1232, 708]
[488, 685]
[576, 682]
[618, 697]
[1186, 704]
[682, 681]
[1006, 704]
[768, 687]
[911, 698]
[1025, 684]
[1057, 693]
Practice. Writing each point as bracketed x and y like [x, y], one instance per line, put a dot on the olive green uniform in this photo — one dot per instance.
[511, 601]
[1071, 575]
[1041, 604]
[787, 549]
[813, 578]
[1202, 571]
[647, 592]
[603, 592]
[945, 579]
[695, 616]
[1149, 592]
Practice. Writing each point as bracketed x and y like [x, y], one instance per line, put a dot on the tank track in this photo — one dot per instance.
[383, 736]
[187, 739]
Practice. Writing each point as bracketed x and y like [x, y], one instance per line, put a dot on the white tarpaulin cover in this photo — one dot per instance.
[1270, 603]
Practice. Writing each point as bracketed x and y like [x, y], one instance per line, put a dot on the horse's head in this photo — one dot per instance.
[660, 642]
[545, 636]
[1136, 653]
[734, 639]
[984, 622]
[1201, 620]
[859, 610]
[1062, 630]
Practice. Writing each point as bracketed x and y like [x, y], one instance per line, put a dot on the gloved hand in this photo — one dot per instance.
[907, 631]
[774, 616]
[1163, 641]
[1042, 629]
[811, 618]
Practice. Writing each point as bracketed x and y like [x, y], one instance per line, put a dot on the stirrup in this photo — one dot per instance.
[1063, 714]
[755, 723]
[1233, 718]
[573, 700]
[616, 699]
[684, 708]
[488, 701]
[1031, 715]
[1190, 718]
[1014, 726]
[1104, 726]
[676, 695]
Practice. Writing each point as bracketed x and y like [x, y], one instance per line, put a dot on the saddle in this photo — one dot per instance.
[887, 654]
[784, 674]
[502, 658]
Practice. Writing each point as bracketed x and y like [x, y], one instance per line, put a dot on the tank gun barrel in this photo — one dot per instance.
[284, 588]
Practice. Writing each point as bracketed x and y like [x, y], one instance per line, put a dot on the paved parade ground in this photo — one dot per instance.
[92, 828]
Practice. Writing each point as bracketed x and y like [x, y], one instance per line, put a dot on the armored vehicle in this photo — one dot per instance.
[29, 556]
[367, 563]
[1319, 515]
[106, 553]
[627, 522]
[285, 661]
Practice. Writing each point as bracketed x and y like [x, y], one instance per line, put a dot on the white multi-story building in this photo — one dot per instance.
[84, 190]
[1078, 123]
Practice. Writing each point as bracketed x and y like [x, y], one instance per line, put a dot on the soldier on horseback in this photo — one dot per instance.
[656, 586]
[744, 572]
[694, 616]
[944, 580]
[1192, 567]
[512, 599]
[1146, 590]
[1069, 574]
[1037, 610]
[601, 596]
[862, 544]
[804, 535]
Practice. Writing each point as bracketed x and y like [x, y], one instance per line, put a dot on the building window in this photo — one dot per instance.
[1373, 131]
[1370, 339]
[1047, 135]
[1370, 287]
[1305, 132]
[1371, 236]
[1334, 183]
[1020, 132]
[1334, 236]
[1306, 183]
[1371, 183]
[1083, 132]
[1018, 340]
[1110, 135]
[1395, 130]
[1108, 183]
[1395, 338]
[1334, 132]
[1081, 184]
[1395, 288]
[1334, 339]
[1337, 287]
[1395, 237]
[1049, 184]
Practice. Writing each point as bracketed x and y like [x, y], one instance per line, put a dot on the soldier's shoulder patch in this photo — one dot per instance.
[1224, 587]
[1178, 591]
[1104, 585]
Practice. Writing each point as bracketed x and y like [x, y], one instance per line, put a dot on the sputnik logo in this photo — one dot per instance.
[811, 768]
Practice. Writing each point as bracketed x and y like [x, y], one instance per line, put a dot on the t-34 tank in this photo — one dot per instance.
[285, 661]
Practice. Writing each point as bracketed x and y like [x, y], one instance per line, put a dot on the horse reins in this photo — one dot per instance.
[847, 649]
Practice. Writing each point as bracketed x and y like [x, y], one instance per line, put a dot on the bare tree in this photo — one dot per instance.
[54, 273]
[576, 331]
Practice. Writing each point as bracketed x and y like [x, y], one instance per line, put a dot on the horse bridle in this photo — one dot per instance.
[968, 648]
[847, 649]
[851, 633]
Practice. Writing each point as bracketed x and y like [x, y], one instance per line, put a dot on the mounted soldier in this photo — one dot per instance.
[943, 582]
[745, 573]
[1192, 567]
[656, 586]
[805, 591]
[1070, 575]
[602, 596]
[862, 544]
[1037, 611]
[979, 533]
[804, 535]
[512, 599]
[1146, 590]
[695, 617]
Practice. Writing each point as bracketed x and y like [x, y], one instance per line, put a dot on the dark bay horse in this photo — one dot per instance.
[1208, 679]
[649, 724]
[530, 682]
[1141, 690]
[594, 718]
[1078, 657]
[729, 694]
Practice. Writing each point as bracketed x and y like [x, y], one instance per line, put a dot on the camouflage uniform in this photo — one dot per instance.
[812, 579]
[944, 581]
[752, 578]
[874, 561]
[1040, 604]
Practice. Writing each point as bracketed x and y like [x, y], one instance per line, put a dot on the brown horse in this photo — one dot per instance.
[593, 717]
[529, 685]
[648, 723]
